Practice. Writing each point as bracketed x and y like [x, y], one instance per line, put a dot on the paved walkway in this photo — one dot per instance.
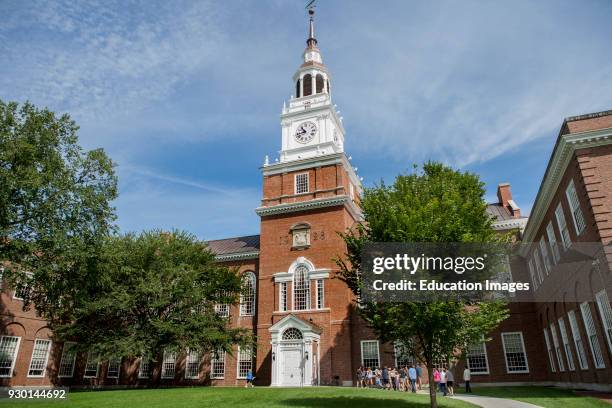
[487, 402]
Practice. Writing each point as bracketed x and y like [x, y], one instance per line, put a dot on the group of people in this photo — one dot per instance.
[401, 379]
[410, 379]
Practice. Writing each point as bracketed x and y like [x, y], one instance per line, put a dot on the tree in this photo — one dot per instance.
[55, 206]
[156, 292]
[438, 205]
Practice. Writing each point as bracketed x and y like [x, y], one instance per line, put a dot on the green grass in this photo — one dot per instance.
[210, 397]
[547, 397]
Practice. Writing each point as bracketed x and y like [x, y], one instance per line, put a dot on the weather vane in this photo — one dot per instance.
[310, 7]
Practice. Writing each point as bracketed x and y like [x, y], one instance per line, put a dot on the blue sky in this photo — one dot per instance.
[186, 96]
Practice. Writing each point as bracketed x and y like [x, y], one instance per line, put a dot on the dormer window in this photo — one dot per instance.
[301, 183]
[300, 236]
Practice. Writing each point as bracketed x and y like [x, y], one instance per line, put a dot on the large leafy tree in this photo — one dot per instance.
[438, 205]
[156, 292]
[55, 206]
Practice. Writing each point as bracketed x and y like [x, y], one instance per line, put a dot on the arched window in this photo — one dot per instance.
[301, 288]
[297, 89]
[307, 84]
[292, 334]
[328, 88]
[247, 297]
[319, 83]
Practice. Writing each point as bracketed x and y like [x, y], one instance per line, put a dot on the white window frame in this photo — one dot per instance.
[306, 288]
[605, 312]
[111, 361]
[320, 291]
[249, 278]
[483, 344]
[91, 356]
[168, 369]
[15, 353]
[524, 351]
[591, 331]
[399, 355]
[48, 345]
[193, 358]
[217, 359]
[283, 296]
[538, 265]
[66, 347]
[574, 204]
[532, 274]
[552, 242]
[145, 361]
[566, 346]
[242, 358]
[545, 257]
[558, 353]
[563, 228]
[27, 287]
[377, 352]
[299, 184]
[551, 360]
[578, 343]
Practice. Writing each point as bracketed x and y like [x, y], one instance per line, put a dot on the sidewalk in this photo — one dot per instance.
[486, 402]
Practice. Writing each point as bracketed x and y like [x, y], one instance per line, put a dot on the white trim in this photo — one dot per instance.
[569, 355]
[526, 370]
[551, 360]
[250, 275]
[560, 159]
[320, 300]
[120, 359]
[164, 373]
[512, 223]
[605, 312]
[486, 356]
[295, 183]
[581, 354]
[574, 204]
[89, 355]
[238, 376]
[237, 256]
[74, 357]
[15, 353]
[187, 362]
[213, 359]
[361, 343]
[592, 338]
[44, 369]
[144, 375]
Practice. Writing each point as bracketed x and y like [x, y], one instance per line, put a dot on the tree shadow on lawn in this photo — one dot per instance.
[353, 402]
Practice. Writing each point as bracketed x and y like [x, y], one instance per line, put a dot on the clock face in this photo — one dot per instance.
[305, 132]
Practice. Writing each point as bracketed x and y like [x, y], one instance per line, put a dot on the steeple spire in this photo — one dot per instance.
[312, 41]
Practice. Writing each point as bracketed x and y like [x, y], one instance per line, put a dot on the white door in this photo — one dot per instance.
[291, 373]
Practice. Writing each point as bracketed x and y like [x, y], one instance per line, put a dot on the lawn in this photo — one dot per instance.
[543, 396]
[240, 397]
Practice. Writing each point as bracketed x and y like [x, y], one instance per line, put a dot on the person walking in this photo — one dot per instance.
[402, 377]
[370, 377]
[249, 380]
[359, 375]
[436, 378]
[419, 371]
[450, 382]
[467, 377]
[443, 377]
[385, 378]
[412, 377]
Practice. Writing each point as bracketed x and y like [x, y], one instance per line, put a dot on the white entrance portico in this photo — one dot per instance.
[295, 352]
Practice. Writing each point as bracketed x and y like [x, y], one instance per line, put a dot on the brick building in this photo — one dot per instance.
[308, 330]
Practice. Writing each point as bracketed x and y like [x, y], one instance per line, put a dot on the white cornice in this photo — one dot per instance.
[510, 224]
[237, 256]
[311, 205]
[560, 159]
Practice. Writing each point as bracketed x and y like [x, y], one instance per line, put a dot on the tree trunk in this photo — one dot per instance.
[433, 403]
[157, 369]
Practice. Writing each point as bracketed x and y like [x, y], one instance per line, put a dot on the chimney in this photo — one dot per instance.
[504, 195]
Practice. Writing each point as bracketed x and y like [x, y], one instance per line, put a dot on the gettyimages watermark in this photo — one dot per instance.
[525, 272]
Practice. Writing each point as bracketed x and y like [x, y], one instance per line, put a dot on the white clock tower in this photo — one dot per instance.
[311, 125]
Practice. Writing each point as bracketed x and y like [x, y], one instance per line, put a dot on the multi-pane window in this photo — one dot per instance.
[301, 288]
[605, 311]
[538, 265]
[146, 368]
[66, 366]
[545, 257]
[247, 297]
[40, 355]
[8, 353]
[514, 350]
[217, 364]
[301, 183]
[580, 350]
[91, 365]
[320, 294]
[192, 365]
[477, 358]
[555, 339]
[245, 361]
[369, 354]
[552, 241]
[591, 332]
[566, 346]
[549, 350]
[532, 275]
[574, 203]
[222, 309]
[402, 358]
[283, 299]
[168, 365]
[23, 288]
[114, 367]
[565, 237]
